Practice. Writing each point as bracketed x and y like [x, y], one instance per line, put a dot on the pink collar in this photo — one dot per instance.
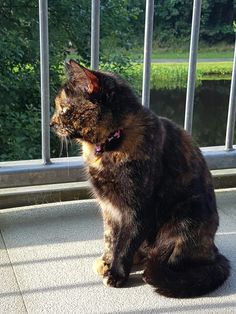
[112, 138]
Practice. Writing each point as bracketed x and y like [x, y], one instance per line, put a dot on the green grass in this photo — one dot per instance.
[174, 75]
[185, 54]
[162, 54]
[214, 71]
[220, 51]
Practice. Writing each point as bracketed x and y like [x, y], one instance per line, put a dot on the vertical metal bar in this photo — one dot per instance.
[44, 75]
[147, 52]
[232, 108]
[95, 34]
[192, 65]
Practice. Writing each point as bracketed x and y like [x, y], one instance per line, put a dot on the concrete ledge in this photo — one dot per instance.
[224, 178]
[40, 194]
[50, 193]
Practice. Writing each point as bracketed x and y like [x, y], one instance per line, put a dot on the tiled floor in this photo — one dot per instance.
[47, 252]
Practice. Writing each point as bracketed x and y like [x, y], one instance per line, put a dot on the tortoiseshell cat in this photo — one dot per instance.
[151, 181]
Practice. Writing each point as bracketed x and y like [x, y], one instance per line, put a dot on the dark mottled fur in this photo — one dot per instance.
[152, 183]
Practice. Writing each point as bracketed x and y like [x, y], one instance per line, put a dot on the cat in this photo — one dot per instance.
[151, 181]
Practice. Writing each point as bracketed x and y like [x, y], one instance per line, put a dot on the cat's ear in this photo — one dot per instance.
[81, 76]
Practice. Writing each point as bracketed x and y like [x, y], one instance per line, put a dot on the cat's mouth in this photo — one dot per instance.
[60, 131]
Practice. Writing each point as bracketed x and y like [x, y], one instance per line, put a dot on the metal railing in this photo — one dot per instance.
[49, 170]
[44, 70]
[188, 121]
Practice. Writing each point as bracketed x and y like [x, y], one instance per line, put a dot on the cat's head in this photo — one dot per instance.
[91, 104]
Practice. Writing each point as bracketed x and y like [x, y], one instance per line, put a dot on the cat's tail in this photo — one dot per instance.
[188, 281]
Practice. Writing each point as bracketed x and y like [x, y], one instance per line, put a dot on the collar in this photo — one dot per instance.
[111, 140]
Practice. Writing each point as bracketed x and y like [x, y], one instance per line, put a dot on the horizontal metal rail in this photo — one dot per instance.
[218, 158]
[33, 172]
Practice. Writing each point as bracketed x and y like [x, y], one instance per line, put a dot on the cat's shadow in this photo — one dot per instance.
[135, 280]
[227, 289]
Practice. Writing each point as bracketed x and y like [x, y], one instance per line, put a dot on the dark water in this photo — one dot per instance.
[210, 110]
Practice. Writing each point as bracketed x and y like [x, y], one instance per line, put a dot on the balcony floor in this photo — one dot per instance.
[47, 253]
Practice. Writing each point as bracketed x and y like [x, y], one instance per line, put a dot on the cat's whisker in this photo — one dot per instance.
[70, 141]
[62, 146]
[67, 154]
[66, 146]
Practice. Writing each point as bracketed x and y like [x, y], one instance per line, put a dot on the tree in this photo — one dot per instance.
[69, 27]
[217, 20]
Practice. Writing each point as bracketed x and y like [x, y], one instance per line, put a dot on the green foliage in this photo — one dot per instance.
[23, 137]
[234, 26]
[217, 20]
[122, 25]
[174, 21]
[69, 33]
[117, 24]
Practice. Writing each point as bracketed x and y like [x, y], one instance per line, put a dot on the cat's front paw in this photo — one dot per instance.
[112, 279]
[100, 267]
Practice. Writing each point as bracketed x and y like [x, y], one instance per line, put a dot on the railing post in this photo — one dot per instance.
[147, 52]
[188, 121]
[232, 108]
[44, 76]
[95, 34]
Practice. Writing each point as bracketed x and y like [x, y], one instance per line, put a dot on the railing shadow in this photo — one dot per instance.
[210, 307]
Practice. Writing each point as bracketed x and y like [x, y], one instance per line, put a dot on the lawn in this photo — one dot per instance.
[220, 51]
[174, 75]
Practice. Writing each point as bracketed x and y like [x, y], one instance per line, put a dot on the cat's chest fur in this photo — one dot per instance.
[104, 171]
[108, 175]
